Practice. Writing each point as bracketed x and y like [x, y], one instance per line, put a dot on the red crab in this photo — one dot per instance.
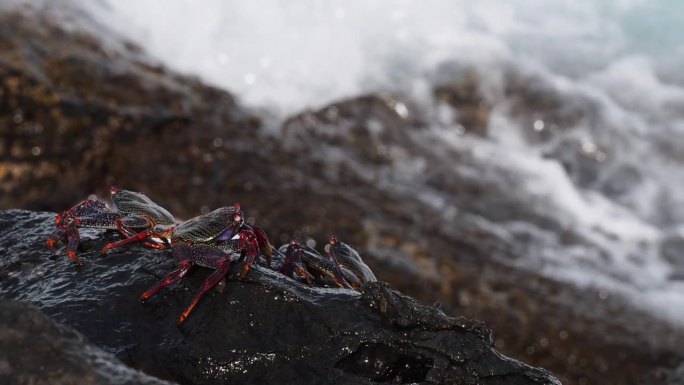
[214, 240]
[133, 212]
[341, 263]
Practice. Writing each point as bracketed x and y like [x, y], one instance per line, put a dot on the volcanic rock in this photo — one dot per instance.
[80, 111]
[36, 350]
[266, 329]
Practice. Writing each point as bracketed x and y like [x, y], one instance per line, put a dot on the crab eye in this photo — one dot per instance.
[236, 217]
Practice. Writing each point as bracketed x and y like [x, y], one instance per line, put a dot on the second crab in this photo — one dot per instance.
[215, 240]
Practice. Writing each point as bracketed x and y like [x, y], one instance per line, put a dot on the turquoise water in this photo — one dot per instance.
[655, 27]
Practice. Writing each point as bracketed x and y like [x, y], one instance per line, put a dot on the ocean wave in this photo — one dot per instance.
[581, 103]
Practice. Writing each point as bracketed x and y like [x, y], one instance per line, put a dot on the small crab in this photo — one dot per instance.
[341, 263]
[214, 240]
[133, 212]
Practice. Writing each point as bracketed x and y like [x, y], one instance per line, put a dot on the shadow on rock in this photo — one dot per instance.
[36, 350]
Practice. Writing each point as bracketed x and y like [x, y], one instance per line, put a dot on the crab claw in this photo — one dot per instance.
[57, 236]
[51, 245]
[72, 255]
[182, 318]
[264, 245]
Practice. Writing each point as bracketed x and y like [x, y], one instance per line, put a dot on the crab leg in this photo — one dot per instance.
[222, 269]
[263, 243]
[170, 278]
[135, 238]
[72, 245]
[293, 263]
[331, 269]
[249, 245]
[125, 224]
[57, 236]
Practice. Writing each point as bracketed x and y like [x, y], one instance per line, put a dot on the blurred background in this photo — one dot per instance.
[517, 162]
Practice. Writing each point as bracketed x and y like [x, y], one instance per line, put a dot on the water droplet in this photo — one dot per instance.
[35, 151]
[250, 79]
[538, 125]
[588, 147]
[401, 110]
[218, 142]
[311, 243]
[563, 335]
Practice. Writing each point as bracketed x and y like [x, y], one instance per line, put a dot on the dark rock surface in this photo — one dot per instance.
[78, 114]
[36, 350]
[267, 329]
[673, 376]
[264, 321]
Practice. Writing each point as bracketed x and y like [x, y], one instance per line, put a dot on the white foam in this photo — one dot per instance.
[604, 56]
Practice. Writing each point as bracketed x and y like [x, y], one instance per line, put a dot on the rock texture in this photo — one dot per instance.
[266, 329]
[78, 114]
[36, 350]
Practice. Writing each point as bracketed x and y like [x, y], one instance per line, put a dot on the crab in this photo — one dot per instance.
[341, 263]
[215, 240]
[133, 213]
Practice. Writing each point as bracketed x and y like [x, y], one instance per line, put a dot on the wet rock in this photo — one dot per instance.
[671, 247]
[674, 376]
[460, 89]
[369, 129]
[532, 99]
[36, 350]
[78, 114]
[264, 329]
